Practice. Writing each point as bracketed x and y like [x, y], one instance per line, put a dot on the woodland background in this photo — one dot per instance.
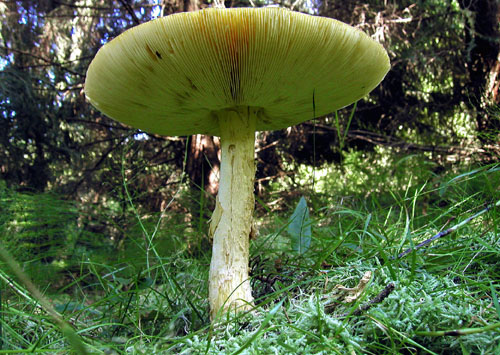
[439, 101]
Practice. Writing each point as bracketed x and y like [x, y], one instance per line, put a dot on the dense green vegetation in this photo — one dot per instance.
[103, 229]
[148, 295]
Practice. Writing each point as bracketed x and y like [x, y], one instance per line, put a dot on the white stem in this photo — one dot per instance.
[229, 285]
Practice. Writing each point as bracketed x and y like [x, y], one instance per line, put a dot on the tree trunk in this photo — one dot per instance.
[203, 164]
[483, 57]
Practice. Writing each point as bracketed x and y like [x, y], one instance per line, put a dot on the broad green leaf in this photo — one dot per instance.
[299, 228]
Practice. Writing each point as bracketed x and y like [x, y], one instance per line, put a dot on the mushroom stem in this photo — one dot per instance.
[229, 285]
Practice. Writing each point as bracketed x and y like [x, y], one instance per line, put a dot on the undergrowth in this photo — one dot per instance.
[346, 292]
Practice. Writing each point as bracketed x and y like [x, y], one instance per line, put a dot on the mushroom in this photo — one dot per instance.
[230, 73]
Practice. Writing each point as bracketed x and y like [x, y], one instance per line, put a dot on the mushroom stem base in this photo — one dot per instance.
[231, 224]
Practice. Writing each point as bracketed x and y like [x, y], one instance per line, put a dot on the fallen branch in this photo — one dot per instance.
[377, 299]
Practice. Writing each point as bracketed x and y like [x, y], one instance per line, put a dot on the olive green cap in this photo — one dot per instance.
[170, 75]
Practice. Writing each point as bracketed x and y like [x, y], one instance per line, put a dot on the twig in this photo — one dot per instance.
[449, 230]
[130, 11]
[98, 8]
[377, 299]
[393, 142]
[260, 149]
[50, 62]
[112, 126]
[103, 157]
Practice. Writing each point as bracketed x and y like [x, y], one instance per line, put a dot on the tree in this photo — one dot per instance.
[482, 37]
[444, 74]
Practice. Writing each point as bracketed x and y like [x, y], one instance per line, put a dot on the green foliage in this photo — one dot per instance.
[37, 227]
[157, 303]
[362, 173]
[299, 228]
[131, 279]
[48, 235]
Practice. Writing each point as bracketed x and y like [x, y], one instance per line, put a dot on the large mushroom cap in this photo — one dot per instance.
[168, 76]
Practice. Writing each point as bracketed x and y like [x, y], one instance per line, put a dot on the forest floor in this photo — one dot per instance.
[358, 281]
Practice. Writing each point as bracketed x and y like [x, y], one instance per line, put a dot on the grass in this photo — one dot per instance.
[441, 298]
